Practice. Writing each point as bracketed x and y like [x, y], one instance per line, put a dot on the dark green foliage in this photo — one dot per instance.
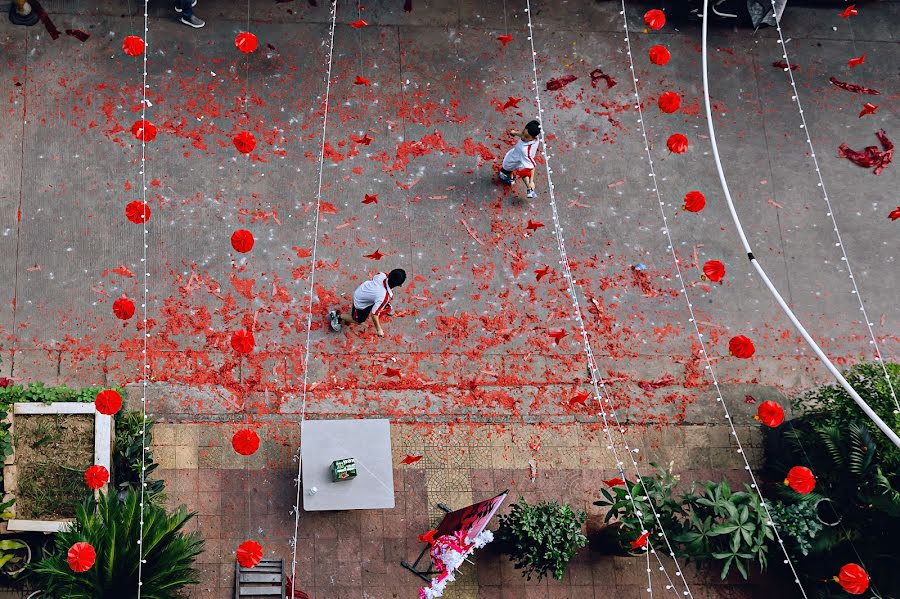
[798, 525]
[541, 538]
[112, 527]
[128, 456]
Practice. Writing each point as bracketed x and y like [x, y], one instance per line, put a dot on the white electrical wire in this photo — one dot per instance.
[830, 213]
[597, 381]
[312, 289]
[759, 270]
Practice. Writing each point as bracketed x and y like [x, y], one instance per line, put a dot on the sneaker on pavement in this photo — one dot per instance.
[178, 6]
[506, 178]
[193, 21]
[531, 194]
[334, 318]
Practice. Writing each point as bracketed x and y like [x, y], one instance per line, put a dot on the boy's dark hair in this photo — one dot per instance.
[533, 128]
[396, 277]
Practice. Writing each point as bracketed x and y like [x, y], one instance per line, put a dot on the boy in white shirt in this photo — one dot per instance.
[372, 297]
[519, 161]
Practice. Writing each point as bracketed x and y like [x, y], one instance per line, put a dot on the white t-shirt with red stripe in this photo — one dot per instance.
[521, 156]
[375, 293]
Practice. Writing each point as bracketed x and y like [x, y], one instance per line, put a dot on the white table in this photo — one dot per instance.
[368, 442]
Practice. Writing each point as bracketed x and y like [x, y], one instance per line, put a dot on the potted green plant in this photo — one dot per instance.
[15, 555]
[541, 538]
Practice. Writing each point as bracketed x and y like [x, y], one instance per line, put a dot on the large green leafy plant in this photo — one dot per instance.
[129, 455]
[541, 538]
[112, 526]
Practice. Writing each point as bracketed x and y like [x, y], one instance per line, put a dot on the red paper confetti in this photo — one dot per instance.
[669, 102]
[246, 42]
[659, 55]
[108, 401]
[560, 82]
[714, 271]
[242, 241]
[143, 130]
[361, 81]
[694, 201]
[395, 372]
[428, 537]
[868, 108]
[741, 347]
[137, 212]
[123, 308]
[132, 45]
[848, 12]
[245, 441]
[780, 64]
[852, 87]
[580, 398]
[614, 482]
[81, 557]
[504, 39]
[641, 541]
[855, 62]
[358, 24]
[534, 225]
[894, 214]
[853, 579]
[800, 479]
[655, 19]
[242, 341]
[749, 399]
[598, 75]
[769, 413]
[511, 103]
[244, 142]
[870, 155]
[96, 476]
[376, 255]
[370, 199]
[364, 140]
[410, 459]
[557, 335]
[540, 273]
[677, 143]
[249, 554]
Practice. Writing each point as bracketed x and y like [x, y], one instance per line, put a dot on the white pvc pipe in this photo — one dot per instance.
[740, 230]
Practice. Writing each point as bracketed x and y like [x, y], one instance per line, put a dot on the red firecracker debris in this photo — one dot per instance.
[852, 87]
[361, 81]
[534, 225]
[370, 199]
[560, 82]
[855, 62]
[511, 103]
[376, 255]
[410, 459]
[848, 12]
[870, 155]
[358, 24]
[894, 214]
[541, 272]
[504, 39]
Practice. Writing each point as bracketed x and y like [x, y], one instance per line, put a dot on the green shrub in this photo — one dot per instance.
[128, 456]
[798, 524]
[541, 538]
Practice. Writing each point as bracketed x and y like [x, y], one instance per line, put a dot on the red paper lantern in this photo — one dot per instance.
[659, 55]
[81, 557]
[137, 212]
[800, 479]
[853, 579]
[244, 142]
[108, 402]
[677, 143]
[655, 19]
[714, 271]
[245, 441]
[242, 241]
[123, 308]
[741, 347]
[249, 553]
[96, 476]
[770, 413]
[132, 45]
[641, 541]
[246, 42]
[669, 102]
[694, 201]
[143, 130]
[242, 341]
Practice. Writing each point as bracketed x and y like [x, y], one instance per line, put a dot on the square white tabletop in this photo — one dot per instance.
[368, 442]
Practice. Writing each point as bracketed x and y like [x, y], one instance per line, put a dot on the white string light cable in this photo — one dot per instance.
[759, 270]
[597, 381]
[830, 213]
[678, 275]
[312, 283]
[145, 370]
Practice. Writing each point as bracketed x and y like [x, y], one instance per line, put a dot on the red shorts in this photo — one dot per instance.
[524, 172]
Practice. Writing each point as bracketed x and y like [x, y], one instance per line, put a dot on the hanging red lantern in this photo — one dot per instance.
[669, 102]
[81, 557]
[659, 55]
[694, 201]
[244, 142]
[853, 579]
[741, 347]
[123, 308]
[677, 143]
[245, 441]
[132, 45]
[249, 554]
[246, 42]
[143, 130]
[714, 271]
[242, 241]
[108, 402]
[655, 19]
[137, 212]
[96, 476]
[770, 413]
[242, 341]
[800, 479]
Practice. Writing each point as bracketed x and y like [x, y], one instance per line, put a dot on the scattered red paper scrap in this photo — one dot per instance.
[361, 81]
[504, 39]
[557, 335]
[895, 213]
[855, 62]
[541, 272]
[848, 12]
[370, 199]
[560, 82]
[870, 155]
[580, 398]
[358, 24]
[780, 64]
[411, 459]
[511, 103]
[852, 87]
[868, 108]
[376, 255]
[534, 225]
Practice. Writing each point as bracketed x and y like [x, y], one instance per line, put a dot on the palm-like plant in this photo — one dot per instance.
[113, 528]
